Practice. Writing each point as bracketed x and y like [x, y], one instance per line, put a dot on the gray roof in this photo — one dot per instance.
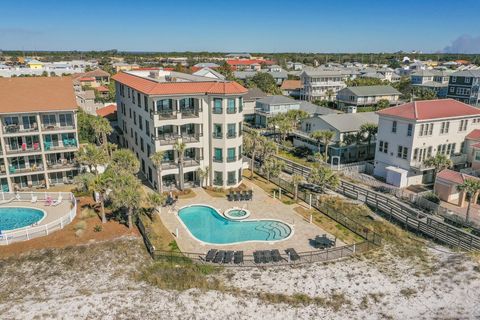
[313, 109]
[207, 65]
[467, 73]
[321, 72]
[254, 94]
[273, 100]
[431, 84]
[350, 122]
[371, 90]
[204, 71]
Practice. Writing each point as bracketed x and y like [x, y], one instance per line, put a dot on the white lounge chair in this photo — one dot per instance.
[34, 199]
[58, 201]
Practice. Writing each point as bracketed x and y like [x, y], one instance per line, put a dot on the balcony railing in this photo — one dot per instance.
[217, 135]
[231, 135]
[169, 165]
[15, 128]
[24, 149]
[14, 170]
[231, 182]
[56, 127]
[171, 138]
[215, 159]
[231, 159]
[231, 110]
[217, 110]
[191, 162]
[189, 113]
[61, 164]
[66, 144]
[191, 137]
[165, 114]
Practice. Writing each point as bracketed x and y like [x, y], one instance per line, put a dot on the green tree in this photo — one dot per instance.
[155, 201]
[296, 180]
[438, 162]
[382, 104]
[329, 93]
[226, 70]
[85, 121]
[323, 137]
[323, 177]
[471, 188]
[91, 156]
[157, 159]
[124, 161]
[424, 94]
[251, 146]
[203, 175]
[369, 130]
[265, 82]
[126, 193]
[296, 116]
[180, 147]
[272, 166]
[266, 148]
[102, 129]
[101, 184]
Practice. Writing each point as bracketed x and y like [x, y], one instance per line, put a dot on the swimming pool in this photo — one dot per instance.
[207, 225]
[18, 217]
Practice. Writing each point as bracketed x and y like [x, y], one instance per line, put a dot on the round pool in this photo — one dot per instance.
[12, 218]
[236, 213]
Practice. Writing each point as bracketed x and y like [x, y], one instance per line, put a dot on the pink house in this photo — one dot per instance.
[446, 184]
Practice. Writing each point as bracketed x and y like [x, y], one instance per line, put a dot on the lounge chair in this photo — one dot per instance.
[267, 256]
[228, 257]
[34, 199]
[293, 254]
[238, 257]
[240, 196]
[58, 201]
[235, 197]
[246, 195]
[276, 257]
[219, 256]
[250, 194]
[210, 255]
[48, 201]
[230, 196]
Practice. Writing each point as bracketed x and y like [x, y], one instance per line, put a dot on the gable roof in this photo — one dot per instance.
[349, 122]
[474, 135]
[152, 87]
[313, 109]
[291, 85]
[35, 94]
[90, 74]
[372, 90]
[108, 111]
[278, 100]
[454, 176]
[254, 94]
[430, 109]
[467, 73]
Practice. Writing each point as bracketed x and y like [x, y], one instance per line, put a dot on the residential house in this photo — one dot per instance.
[157, 109]
[363, 96]
[464, 86]
[291, 88]
[270, 106]
[38, 132]
[413, 132]
[436, 80]
[446, 187]
[321, 84]
[249, 102]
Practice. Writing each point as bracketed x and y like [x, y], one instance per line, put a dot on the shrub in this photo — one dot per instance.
[79, 233]
[87, 213]
[432, 197]
[81, 225]
[97, 228]
[302, 152]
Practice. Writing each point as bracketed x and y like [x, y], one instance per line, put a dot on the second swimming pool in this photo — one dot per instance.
[207, 225]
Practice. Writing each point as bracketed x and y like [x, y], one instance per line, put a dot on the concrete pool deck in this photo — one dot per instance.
[263, 206]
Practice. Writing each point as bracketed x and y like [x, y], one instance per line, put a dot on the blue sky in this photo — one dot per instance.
[261, 26]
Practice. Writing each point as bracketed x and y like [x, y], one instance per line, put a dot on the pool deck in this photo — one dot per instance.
[263, 206]
[53, 212]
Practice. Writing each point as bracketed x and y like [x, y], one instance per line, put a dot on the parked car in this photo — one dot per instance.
[310, 187]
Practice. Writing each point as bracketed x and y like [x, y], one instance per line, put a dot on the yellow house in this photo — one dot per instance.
[35, 64]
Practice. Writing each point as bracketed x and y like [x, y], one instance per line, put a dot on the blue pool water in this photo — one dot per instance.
[14, 218]
[207, 225]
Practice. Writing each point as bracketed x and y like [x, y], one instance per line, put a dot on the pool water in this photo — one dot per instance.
[17, 217]
[237, 213]
[207, 225]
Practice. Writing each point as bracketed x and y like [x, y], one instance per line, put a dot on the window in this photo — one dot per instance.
[402, 152]
[463, 91]
[134, 118]
[217, 105]
[380, 146]
[145, 103]
[409, 130]
[133, 97]
[463, 125]
[218, 178]
[140, 122]
[217, 131]
[231, 178]
[139, 100]
[136, 138]
[48, 120]
[444, 127]
[399, 152]
[240, 128]
[239, 152]
[383, 146]
[394, 126]
[149, 150]
[415, 154]
[477, 156]
[230, 105]
[231, 155]
[231, 130]
[452, 89]
[147, 128]
[454, 79]
[467, 79]
[217, 155]
[426, 129]
[141, 144]
[240, 104]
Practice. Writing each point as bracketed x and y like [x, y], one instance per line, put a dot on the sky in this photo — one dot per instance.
[242, 26]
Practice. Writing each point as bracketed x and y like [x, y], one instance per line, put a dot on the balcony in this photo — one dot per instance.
[16, 128]
[231, 182]
[66, 144]
[164, 114]
[191, 137]
[60, 164]
[231, 110]
[217, 110]
[191, 162]
[56, 127]
[231, 135]
[189, 113]
[216, 159]
[456, 160]
[33, 168]
[217, 135]
[231, 159]
[169, 165]
[23, 149]
[172, 138]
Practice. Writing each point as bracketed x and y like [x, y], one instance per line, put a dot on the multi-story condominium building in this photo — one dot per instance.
[464, 86]
[363, 96]
[38, 132]
[412, 132]
[321, 84]
[158, 108]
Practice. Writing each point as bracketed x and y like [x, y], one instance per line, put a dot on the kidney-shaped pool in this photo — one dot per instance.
[207, 225]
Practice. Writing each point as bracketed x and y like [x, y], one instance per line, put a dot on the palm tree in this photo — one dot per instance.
[207, 176]
[127, 193]
[471, 188]
[296, 180]
[155, 200]
[329, 94]
[101, 184]
[272, 166]
[180, 147]
[267, 148]
[91, 156]
[370, 130]
[124, 160]
[296, 116]
[324, 137]
[157, 159]
[102, 128]
[251, 147]
[285, 127]
[202, 174]
[323, 177]
[439, 162]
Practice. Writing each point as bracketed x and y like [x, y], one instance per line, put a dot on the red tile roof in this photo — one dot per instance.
[454, 176]
[247, 62]
[476, 145]
[431, 109]
[102, 89]
[291, 84]
[474, 135]
[152, 87]
[107, 111]
[87, 79]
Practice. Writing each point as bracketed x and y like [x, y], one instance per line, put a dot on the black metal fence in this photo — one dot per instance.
[395, 211]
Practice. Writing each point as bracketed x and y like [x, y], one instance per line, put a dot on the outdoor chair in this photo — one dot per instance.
[228, 257]
[267, 256]
[236, 197]
[256, 256]
[241, 195]
[210, 255]
[250, 194]
[276, 257]
[238, 257]
[293, 254]
[219, 257]
[230, 196]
